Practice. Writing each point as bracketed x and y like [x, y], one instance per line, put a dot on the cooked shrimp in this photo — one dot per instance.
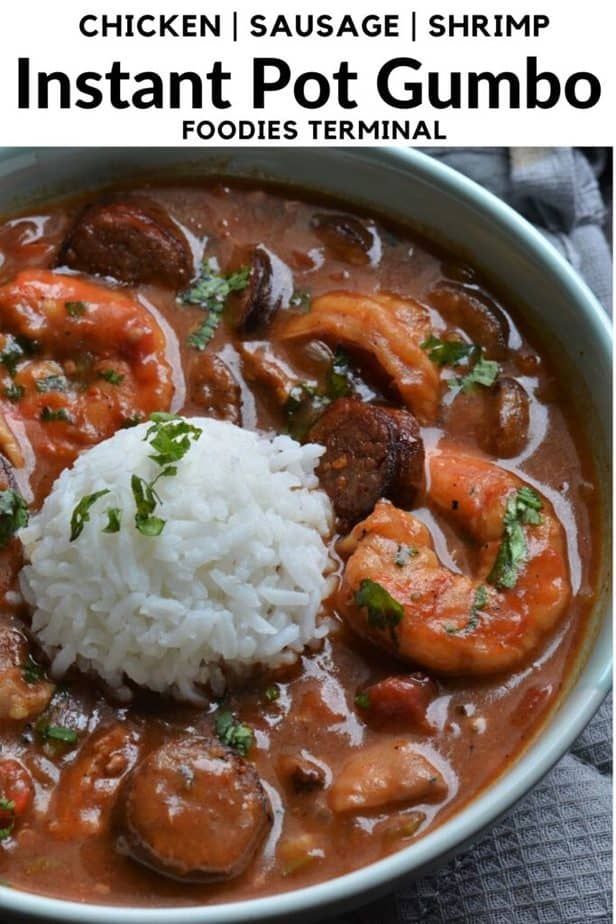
[397, 593]
[388, 327]
[78, 361]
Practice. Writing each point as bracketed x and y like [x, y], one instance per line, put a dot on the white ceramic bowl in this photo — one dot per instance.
[454, 211]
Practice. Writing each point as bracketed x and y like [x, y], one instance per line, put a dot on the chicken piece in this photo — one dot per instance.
[386, 773]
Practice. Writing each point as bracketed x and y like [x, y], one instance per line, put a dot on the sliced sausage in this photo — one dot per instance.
[509, 419]
[214, 388]
[410, 452]
[370, 452]
[270, 286]
[131, 241]
[193, 810]
[478, 316]
[346, 237]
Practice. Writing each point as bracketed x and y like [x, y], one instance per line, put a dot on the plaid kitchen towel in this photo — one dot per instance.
[549, 861]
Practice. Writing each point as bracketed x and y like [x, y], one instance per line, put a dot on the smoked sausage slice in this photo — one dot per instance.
[193, 810]
[133, 242]
[370, 452]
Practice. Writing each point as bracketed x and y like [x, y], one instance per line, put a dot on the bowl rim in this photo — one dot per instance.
[552, 743]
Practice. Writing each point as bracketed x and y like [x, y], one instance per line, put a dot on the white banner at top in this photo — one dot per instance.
[289, 73]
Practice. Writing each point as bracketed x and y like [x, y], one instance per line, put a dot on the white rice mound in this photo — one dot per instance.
[235, 579]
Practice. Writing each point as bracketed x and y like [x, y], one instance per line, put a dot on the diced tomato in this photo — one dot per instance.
[16, 791]
[404, 699]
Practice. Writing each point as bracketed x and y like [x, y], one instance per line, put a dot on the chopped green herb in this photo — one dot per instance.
[301, 301]
[52, 383]
[303, 406]
[7, 806]
[201, 335]
[13, 392]
[13, 514]
[31, 671]
[75, 309]
[449, 352]
[404, 555]
[57, 733]
[212, 287]
[522, 509]
[133, 421]
[49, 414]
[114, 516]
[146, 500]
[171, 437]
[81, 513]
[338, 378]
[485, 372]
[383, 610]
[362, 700]
[111, 376]
[12, 353]
[234, 734]
[210, 293]
[272, 693]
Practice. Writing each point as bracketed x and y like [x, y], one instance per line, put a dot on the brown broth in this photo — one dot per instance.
[481, 724]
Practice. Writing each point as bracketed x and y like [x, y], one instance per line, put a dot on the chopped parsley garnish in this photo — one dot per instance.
[301, 301]
[454, 353]
[485, 372]
[362, 700]
[49, 414]
[404, 555]
[76, 309]
[522, 509]
[146, 500]
[449, 352]
[114, 516]
[234, 734]
[171, 437]
[383, 610]
[7, 807]
[210, 293]
[12, 353]
[111, 376]
[338, 378]
[13, 392]
[81, 513]
[133, 421]
[272, 693]
[52, 383]
[57, 733]
[31, 671]
[13, 514]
